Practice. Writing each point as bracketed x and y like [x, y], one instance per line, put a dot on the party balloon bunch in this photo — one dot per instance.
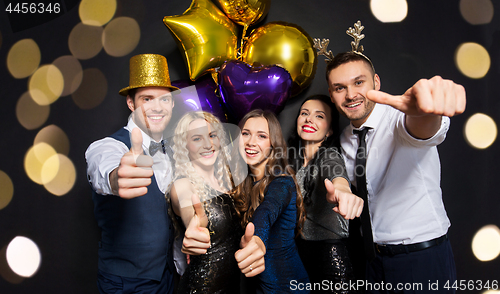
[276, 61]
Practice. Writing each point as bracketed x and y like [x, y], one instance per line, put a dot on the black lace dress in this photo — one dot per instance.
[216, 272]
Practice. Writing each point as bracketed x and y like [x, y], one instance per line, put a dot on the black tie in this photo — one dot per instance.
[155, 147]
[360, 172]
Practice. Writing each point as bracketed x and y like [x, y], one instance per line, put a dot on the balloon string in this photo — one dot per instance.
[215, 77]
[243, 39]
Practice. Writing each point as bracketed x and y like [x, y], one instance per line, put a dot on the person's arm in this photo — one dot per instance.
[181, 198]
[338, 192]
[423, 127]
[333, 174]
[276, 199]
[425, 103]
[253, 244]
[102, 157]
[186, 204]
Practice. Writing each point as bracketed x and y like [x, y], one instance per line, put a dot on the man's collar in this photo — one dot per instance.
[375, 116]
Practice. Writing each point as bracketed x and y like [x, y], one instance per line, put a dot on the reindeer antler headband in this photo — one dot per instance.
[355, 33]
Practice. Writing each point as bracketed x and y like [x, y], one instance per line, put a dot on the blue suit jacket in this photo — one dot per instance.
[136, 234]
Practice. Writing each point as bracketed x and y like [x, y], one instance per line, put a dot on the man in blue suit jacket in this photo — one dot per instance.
[129, 172]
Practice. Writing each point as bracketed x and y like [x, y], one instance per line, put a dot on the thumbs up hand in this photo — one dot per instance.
[250, 257]
[197, 237]
[424, 104]
[349, 205]
[435, 96]
[131, 178]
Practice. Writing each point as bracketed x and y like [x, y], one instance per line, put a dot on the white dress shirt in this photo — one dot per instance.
[104, 155]
[403, 178]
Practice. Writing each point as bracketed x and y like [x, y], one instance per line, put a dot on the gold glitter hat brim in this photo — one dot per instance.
[124, 91]
[148, 70]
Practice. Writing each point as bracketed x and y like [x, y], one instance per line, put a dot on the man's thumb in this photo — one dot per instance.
[136, 142]
[383, 98]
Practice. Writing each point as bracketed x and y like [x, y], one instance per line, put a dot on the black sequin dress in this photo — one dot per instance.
[323, 247]
[216, 272]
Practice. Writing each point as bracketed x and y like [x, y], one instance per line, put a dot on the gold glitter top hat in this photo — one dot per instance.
[148, 70]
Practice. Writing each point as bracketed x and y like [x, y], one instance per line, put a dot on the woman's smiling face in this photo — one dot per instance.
[203, 143]
[256, 144]
[314, 121]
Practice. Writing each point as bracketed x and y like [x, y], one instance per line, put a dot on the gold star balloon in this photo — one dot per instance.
[205, 35]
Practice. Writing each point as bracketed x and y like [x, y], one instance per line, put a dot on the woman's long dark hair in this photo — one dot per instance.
[295, 143]
[247, 195]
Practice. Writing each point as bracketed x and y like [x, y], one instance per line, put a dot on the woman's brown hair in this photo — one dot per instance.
[247, 195]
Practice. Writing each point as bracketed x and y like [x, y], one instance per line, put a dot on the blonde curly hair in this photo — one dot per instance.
[183, 164]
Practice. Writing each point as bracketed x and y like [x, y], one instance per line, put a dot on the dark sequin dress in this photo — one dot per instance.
[216, 272]
[275, 220]
[322, 247]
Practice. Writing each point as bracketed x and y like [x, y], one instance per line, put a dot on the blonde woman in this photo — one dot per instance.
[202, 172]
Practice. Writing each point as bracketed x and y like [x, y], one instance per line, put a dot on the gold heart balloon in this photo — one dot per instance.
[205, 35]
[245, 12]
[286, 45]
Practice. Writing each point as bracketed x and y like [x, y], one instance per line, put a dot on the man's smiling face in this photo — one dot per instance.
[348, 85]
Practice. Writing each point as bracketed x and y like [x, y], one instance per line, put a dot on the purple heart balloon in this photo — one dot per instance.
[244, 87]
[198, 95]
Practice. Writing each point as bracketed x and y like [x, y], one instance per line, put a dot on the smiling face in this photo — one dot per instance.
[256, 144]
[348, 85]
[152, 109]
[314, 121]
[203, 144]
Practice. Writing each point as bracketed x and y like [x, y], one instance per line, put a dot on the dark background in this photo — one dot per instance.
[421, 46]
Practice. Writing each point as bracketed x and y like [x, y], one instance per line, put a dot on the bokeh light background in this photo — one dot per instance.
[59, 92]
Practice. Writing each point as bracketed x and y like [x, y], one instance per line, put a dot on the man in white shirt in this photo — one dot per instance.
[129, 172]
[402, 171]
